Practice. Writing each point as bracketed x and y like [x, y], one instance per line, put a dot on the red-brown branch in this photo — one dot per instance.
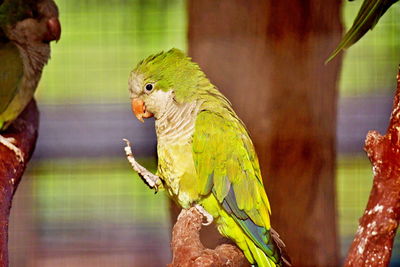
[24, 130]
[188, 251]
[372, 245]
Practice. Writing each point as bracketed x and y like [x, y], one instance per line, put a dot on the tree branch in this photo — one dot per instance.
[188, 251]
[24, 130]
[372, 245]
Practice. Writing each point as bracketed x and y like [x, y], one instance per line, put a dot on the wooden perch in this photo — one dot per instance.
[24, 130]
[188, 251]
[372, 245]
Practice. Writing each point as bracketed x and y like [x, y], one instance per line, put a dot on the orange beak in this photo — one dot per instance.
[139, 109]
[53, 30]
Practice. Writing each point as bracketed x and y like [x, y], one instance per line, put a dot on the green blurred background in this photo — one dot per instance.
[80, 204]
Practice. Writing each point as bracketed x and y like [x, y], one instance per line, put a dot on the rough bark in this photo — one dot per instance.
[188, 251]
[373, 243]
[24, 130]
[268, 58]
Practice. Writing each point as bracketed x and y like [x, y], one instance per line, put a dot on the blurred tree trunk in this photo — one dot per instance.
[268, 57]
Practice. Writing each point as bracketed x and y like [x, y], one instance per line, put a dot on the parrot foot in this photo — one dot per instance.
[10, 144]
[153, 181]
[208, 216]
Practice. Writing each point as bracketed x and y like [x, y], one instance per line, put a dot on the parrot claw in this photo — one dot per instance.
[208, 216]
[10, 144]
[153, 181]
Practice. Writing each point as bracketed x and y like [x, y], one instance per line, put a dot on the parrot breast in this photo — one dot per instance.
[175, 164]
[176, 125]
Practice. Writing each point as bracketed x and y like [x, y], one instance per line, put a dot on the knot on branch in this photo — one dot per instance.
[188, 251]
[389, 227]
[374, 145]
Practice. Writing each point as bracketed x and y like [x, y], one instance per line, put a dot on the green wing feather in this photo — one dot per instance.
[224, 153]
[368, 16]
[11, 73]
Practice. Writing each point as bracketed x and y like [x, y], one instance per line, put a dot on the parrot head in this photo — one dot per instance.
[31, 25]
[164, 79]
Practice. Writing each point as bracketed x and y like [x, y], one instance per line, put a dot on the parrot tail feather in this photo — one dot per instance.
[260, 258]
[282, 247]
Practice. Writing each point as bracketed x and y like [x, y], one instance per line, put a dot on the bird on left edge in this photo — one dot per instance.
[26, 29]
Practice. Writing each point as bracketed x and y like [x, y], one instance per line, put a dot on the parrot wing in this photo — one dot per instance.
[368, 16]
[225, 158]
[11, 73]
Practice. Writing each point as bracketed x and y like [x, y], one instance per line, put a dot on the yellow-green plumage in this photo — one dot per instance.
[12, 99]
[216, 165]
[236, 199]
[13, 96]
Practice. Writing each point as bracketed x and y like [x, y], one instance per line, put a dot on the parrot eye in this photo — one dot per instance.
[149, 87]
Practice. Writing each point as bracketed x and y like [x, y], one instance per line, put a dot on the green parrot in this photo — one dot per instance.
[206, 158]
[368, 16]
[26, 29]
